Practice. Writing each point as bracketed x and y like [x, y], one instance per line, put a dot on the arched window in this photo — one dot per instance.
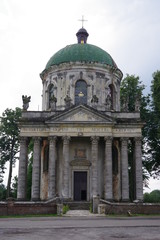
[81, 92]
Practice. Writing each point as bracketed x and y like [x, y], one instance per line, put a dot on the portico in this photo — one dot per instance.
[73, 147]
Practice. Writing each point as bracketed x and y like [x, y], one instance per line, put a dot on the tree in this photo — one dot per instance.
[153, 197]
[131, 91]
[9, 140]
[14, 187]
[153, 127]
[2, 192]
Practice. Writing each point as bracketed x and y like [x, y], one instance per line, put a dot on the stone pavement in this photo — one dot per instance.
[80, 228]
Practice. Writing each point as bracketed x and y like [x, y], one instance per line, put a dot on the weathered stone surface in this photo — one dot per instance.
[65, 192]
[52, 168]
[22, 176]
[94, 153]
[36, 170]
[108, 190]
[138, 169]
[124, 164]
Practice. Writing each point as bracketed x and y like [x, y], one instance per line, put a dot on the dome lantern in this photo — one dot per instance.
[82, 36]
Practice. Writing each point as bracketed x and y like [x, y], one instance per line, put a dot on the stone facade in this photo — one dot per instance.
[81, 136]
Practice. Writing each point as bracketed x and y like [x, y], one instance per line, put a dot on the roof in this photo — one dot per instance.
[81, 52]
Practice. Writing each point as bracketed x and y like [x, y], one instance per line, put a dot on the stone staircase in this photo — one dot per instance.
[82, 205]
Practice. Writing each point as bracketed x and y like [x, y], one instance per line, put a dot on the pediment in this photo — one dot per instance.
[81, 114]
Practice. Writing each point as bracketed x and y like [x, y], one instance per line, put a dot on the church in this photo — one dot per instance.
[81, 136]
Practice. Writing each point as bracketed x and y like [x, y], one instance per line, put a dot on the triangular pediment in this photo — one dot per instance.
[81, 114]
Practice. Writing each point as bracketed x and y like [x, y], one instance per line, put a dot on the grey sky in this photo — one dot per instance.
[31, 31]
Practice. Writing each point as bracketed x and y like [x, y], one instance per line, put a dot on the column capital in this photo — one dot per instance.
[23, 139]
[37, 139]
[52, 139]
[124, 140]
[108, 138]
[138, 140]
[66, 139]
[94, 139]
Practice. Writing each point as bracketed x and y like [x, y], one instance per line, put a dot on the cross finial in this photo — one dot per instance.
[82, 20]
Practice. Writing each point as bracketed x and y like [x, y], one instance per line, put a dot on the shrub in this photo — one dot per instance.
[153, 197]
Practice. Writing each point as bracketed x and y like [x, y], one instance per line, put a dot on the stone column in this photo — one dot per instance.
[108, 182]
[66, 140]
[138, 169]
[124, 166]
[52, 168]
[22, 176]
[36, 169]
[94, 156]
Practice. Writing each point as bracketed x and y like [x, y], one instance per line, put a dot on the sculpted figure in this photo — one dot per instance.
[26, 101]
[53, 101]
[68, 101]
[108, 102]
[94, 99]
[137, 103]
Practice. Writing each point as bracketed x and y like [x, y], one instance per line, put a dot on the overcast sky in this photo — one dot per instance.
[31, 31]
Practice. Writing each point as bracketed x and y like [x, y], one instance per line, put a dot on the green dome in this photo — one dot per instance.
[81, 52]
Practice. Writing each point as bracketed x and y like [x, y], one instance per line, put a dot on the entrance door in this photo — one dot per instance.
[80, 186]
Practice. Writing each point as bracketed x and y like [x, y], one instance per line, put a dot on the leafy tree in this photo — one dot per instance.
[2, 192]
[131, 91]
[9, 141]
[153, 197]
[131, 88]
[14, 187]
[153, 128]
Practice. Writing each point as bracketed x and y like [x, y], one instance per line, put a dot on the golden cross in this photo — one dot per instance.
[82, 20]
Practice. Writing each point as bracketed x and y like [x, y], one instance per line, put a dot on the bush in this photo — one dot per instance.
[153, 197]
[65, 209]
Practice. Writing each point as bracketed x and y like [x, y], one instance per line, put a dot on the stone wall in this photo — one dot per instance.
[26, 208]
[134, 208]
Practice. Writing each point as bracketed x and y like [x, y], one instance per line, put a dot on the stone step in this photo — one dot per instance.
[82, 213]
[78, 205]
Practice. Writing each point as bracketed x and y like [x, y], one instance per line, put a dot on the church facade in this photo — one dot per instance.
[81, 136]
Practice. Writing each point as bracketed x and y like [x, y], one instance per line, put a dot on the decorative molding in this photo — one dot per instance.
[80, 162]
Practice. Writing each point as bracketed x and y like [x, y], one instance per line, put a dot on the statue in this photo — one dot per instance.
[94, 99]
[125, 104]
[137, 103]
[26, 101]
[52, 102]
[108, 102]
[68, 100]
